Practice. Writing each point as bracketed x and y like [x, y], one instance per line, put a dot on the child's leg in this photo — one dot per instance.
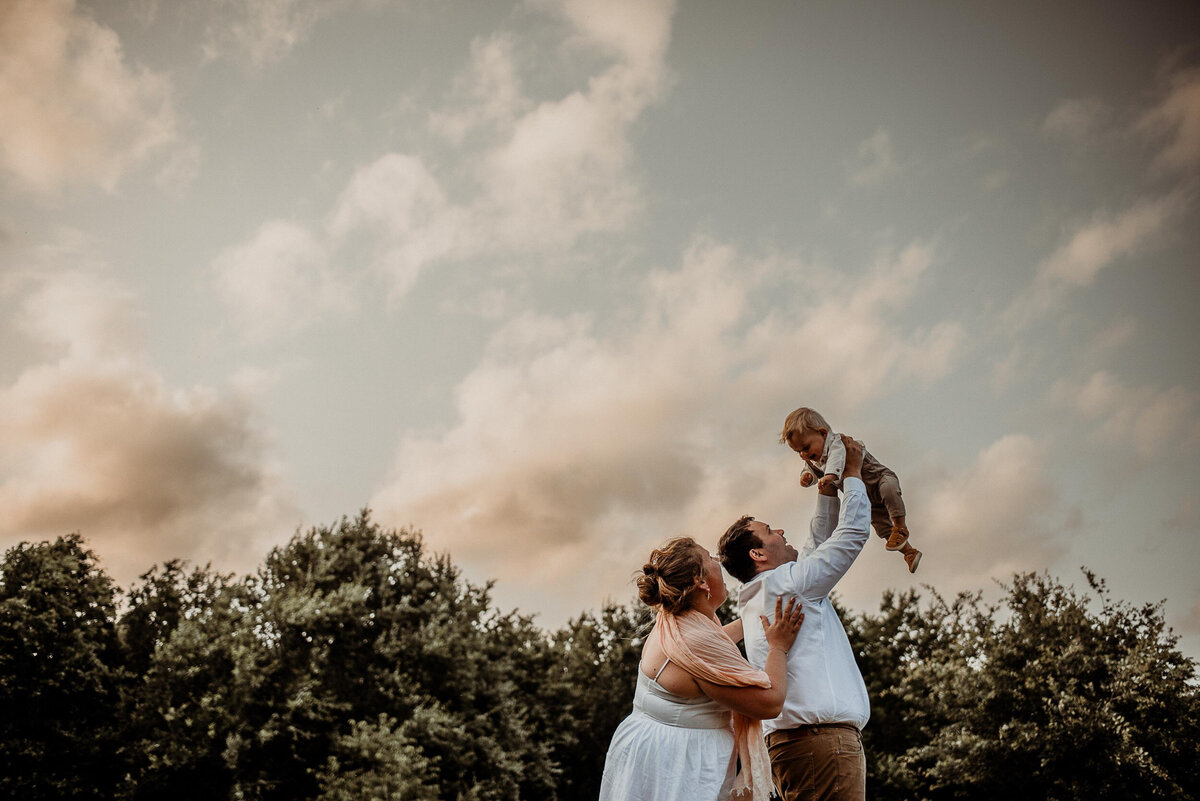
[893, 501]
[881, 521]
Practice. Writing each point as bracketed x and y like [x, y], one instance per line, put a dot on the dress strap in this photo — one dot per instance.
[661, 669]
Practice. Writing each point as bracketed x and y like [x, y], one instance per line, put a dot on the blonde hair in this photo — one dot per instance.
[670, 574]
[801, 420]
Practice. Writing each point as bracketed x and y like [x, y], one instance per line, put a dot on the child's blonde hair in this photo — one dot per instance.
[801, 420]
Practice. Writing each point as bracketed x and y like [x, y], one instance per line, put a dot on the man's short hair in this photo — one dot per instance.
[734, 549]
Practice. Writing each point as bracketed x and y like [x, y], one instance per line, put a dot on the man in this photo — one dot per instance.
[816, 742]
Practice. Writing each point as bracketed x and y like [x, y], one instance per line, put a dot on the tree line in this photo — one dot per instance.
[355, 664]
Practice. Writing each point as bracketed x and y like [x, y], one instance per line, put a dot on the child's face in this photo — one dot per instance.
[809, 444]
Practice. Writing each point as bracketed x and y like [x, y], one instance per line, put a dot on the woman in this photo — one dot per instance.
[698, 702]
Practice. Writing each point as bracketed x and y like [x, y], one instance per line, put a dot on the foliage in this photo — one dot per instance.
[355, 664]
[186, 633]
[1039, 696]
[272, 688]
[378, 760]
[597, 656]
[60, 673]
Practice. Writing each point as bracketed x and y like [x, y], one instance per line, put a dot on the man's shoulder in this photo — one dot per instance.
[780, 580]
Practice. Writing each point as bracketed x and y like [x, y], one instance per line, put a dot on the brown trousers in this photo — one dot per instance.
[819, 762]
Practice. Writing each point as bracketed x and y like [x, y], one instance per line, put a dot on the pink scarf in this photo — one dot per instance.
[700, 646]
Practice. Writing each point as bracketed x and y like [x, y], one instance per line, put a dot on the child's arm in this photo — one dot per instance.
[835, 456]
[835, 461]
[810, 474]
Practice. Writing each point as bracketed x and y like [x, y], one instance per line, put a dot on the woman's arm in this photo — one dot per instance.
[763, 703]
[734, 630]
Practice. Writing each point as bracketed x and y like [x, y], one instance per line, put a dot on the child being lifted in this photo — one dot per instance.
[806, 432]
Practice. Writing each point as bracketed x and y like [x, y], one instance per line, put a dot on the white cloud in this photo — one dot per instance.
[1191, 621]
[876, 161]
[546, 174]
[565, 169]
[488, 94]
[74, 112]
[1139, 424]
[1175, 123]
[994, 518]
[92, 318]
[1075, 119]
[846, 325]
[580, 443]
[1118, 334]
[279, 282]
[265, 31]
[97, 442]
[1093, 247]
[635, 30]
[399, 200]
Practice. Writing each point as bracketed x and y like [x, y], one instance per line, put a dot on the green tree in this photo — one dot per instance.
[1050, 694]
[183, 634]
[377, 760]
[60, 674]
[352, 622]
[595, 675]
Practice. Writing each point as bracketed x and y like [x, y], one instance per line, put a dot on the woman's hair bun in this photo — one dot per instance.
[669, 576]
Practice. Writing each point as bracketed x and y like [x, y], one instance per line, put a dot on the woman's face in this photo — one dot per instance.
[713, 577]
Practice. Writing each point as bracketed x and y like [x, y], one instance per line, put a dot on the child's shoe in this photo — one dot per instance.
[898, 538]
[912, 559]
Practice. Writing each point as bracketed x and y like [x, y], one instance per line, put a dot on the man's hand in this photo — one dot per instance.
[854, 457]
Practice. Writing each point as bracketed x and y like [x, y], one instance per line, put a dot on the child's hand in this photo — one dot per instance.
[827, 483]
[807, 479]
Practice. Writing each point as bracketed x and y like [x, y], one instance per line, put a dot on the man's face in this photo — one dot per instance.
[809, 444]
[775, 550]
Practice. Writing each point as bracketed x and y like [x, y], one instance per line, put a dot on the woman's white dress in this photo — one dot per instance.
[670, 748]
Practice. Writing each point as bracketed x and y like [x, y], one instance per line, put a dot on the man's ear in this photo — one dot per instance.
[757, 554]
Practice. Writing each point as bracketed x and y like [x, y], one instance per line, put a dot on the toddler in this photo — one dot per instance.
[806, 432]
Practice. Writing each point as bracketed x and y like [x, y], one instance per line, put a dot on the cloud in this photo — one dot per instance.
[637, 32]
[1175, 123]
[97, 442]
[91, 318]
[75, 113]
[488, 95]
[534, 178]
[1141, 424]
[995, 517]
[876, 162]
[581, 442]
[1096, 245]
[975, 523]
[265, 31]
[279, 282]
[1191, 621]
[1075, 119]
[1093, 247]
[564, 168]
[403, 206]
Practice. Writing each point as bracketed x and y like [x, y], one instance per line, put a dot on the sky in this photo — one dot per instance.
[542, 279]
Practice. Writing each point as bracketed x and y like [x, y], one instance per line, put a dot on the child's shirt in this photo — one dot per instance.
[833, 458]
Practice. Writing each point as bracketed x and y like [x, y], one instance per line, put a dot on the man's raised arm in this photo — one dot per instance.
[826, 560]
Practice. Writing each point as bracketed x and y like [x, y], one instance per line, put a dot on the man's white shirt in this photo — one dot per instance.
[824, 683]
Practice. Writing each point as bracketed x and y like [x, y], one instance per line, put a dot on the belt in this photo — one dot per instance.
[811, 730]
